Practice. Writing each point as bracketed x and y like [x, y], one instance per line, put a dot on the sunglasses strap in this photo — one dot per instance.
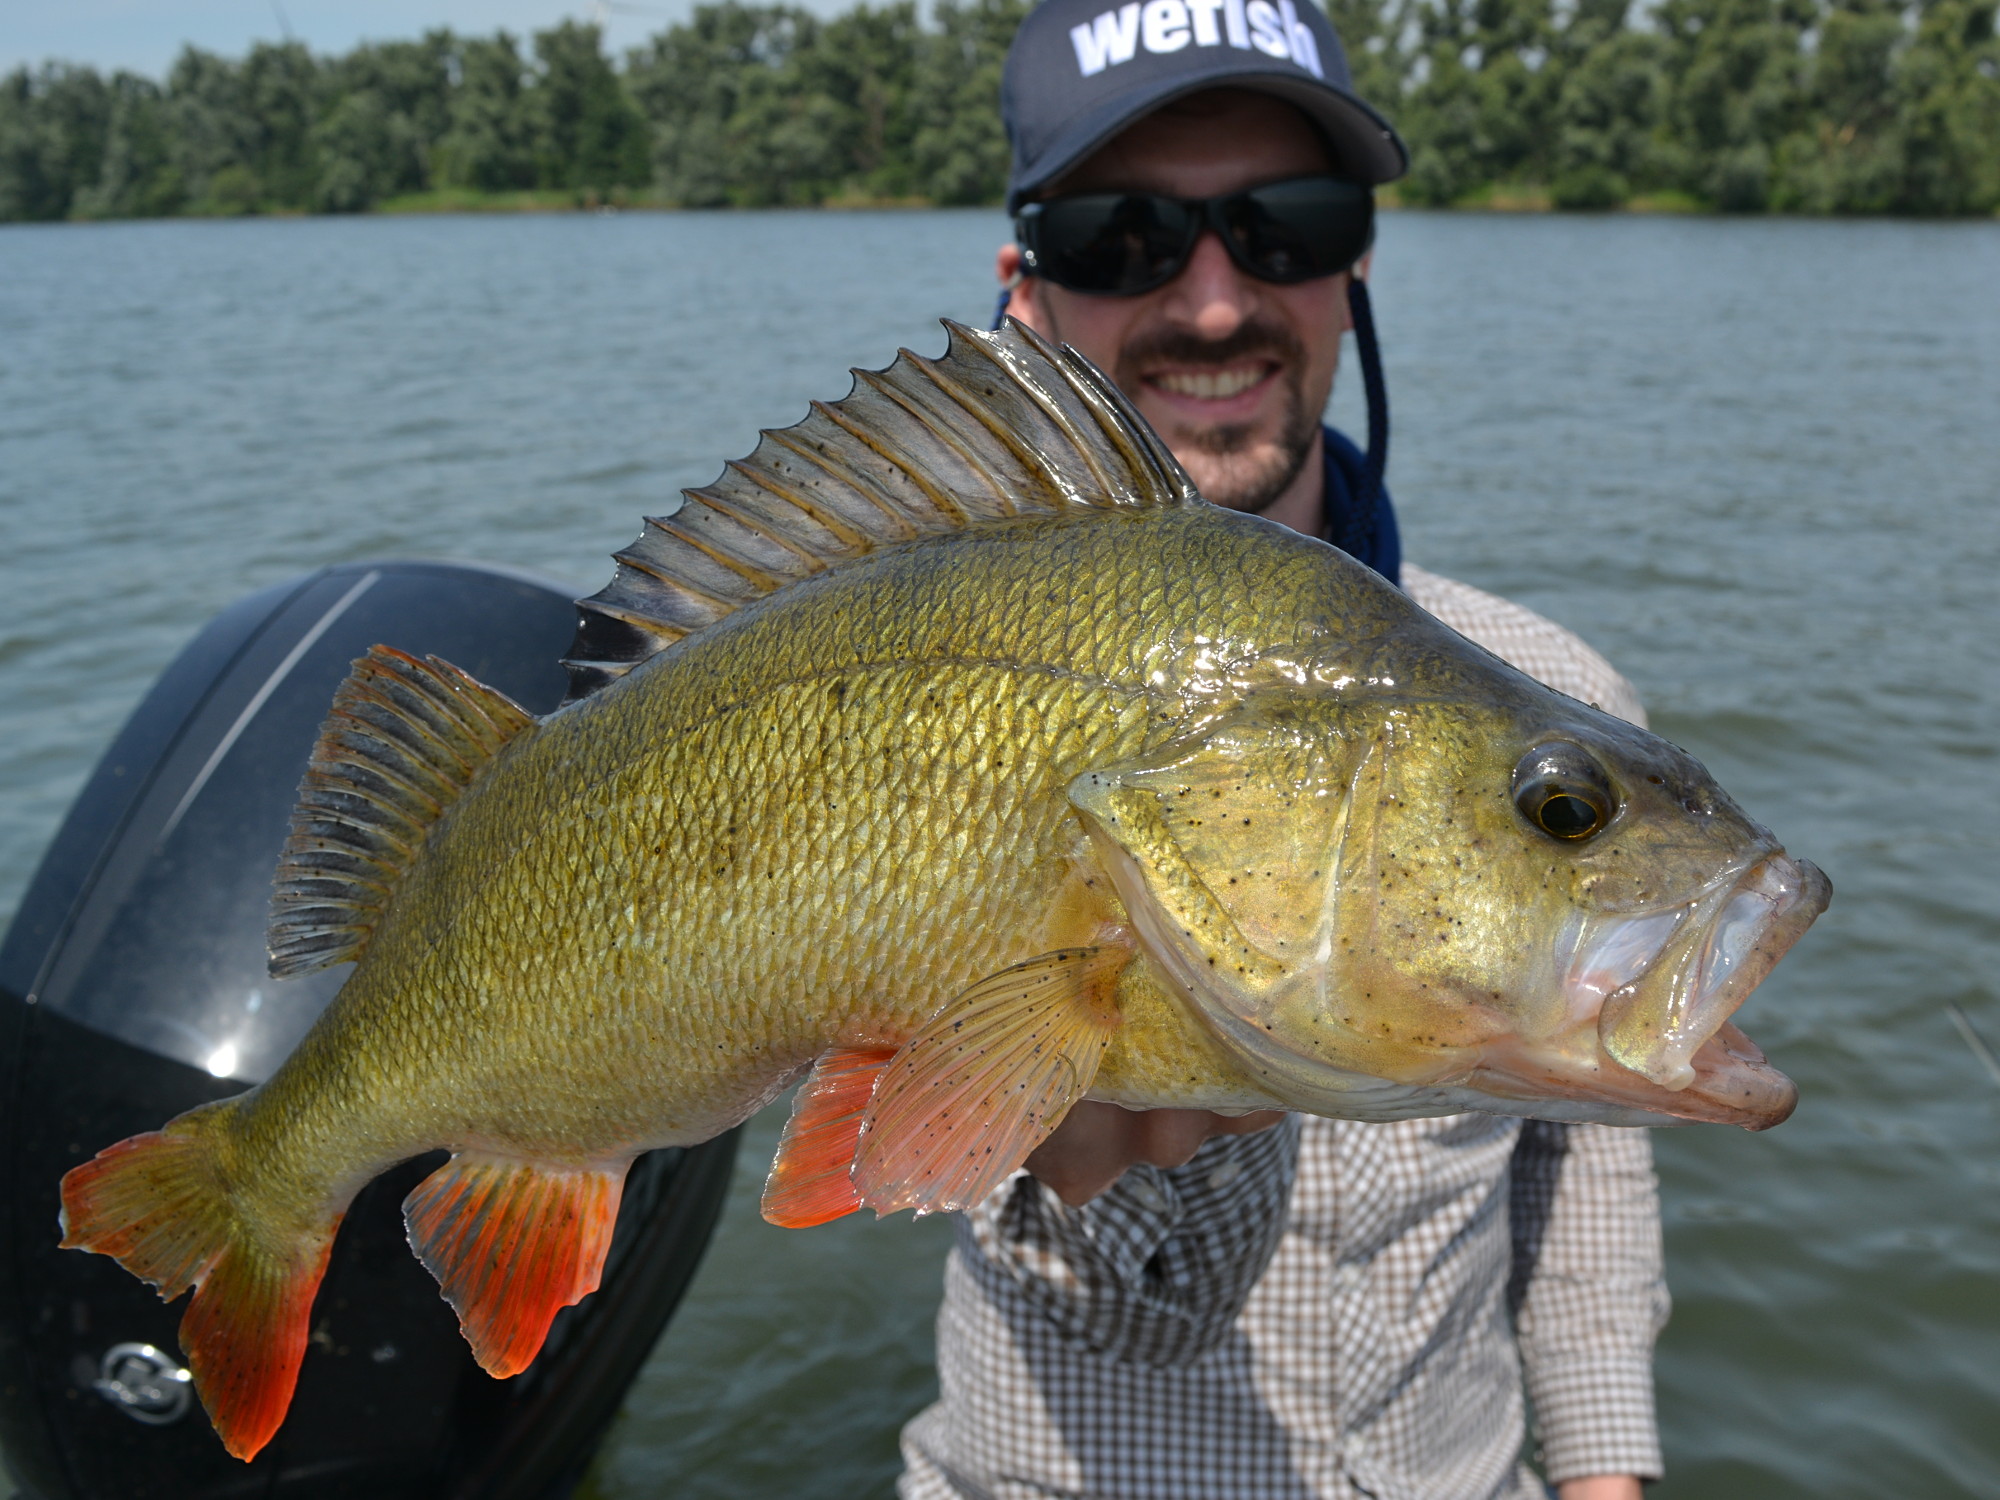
[1376, 460]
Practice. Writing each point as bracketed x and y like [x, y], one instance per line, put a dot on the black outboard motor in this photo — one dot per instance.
[133, 986]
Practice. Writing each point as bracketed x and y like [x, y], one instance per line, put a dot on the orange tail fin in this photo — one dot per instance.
[159, 1205]
[512, 1244]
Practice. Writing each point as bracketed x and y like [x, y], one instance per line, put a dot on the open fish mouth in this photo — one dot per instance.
[1667, 981]
[1661, 986]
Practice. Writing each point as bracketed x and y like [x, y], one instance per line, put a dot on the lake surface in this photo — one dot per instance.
[1756, 463]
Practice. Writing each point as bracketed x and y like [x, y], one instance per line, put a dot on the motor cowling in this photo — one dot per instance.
[133, 986]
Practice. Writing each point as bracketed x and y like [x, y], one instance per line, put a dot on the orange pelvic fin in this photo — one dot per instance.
[159, 1205]
[809, 1182]
[986, 1080]
[512, 1244]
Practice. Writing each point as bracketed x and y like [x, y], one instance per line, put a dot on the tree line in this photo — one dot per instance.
[1812, 106]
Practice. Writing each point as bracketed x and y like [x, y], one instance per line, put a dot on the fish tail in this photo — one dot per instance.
[163, 1206]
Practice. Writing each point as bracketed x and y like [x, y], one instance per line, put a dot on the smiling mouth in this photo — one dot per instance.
[1211, 385]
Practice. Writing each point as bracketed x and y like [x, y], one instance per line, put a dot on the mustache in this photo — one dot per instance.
[1178, 346]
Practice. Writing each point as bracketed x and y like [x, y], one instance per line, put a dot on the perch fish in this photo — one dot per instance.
[951, 753]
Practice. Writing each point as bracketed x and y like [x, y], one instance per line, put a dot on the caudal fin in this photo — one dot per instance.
[159, 1204]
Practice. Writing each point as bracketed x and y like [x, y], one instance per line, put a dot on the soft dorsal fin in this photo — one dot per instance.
[1004, 424]
[403, 739]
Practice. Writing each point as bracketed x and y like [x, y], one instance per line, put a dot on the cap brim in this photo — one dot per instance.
[1369, 149]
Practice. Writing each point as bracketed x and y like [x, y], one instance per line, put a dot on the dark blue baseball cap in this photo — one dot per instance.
[1080, 71]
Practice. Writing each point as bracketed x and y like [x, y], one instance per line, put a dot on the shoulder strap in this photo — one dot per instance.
[1004, 424]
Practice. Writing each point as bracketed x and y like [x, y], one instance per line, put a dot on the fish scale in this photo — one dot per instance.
[878, 770]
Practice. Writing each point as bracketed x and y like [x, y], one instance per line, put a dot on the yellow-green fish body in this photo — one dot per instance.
[952, 748]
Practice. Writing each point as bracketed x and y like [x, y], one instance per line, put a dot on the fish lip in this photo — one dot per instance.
[1734, 1084]
[1729, 1061]
[1706, 958]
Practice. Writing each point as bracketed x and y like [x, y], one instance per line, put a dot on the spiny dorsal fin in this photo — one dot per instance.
[1004, 424]
[404, 738]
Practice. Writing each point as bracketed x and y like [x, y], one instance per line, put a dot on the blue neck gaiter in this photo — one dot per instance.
[1365, 533]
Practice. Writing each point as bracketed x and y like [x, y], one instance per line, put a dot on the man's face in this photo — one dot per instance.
[1233, 372]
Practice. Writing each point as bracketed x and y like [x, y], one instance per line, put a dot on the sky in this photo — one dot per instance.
[146, 35]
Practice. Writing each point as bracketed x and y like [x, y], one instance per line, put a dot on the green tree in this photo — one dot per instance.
[384, 107]
[1373, 32]
[1479, 109]
[1610, 97]
[587, 134]
[959, 150]
[1948, 102]
[138, 178]
[736, 116]
[281, 96]
[1844, 156]
[1735, 77]
[783, 139]
[687, 80]
[864, 65]
[488, 142]
[53, 125]
[214, 134]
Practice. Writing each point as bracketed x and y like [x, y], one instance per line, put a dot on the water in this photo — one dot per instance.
[1755, 462]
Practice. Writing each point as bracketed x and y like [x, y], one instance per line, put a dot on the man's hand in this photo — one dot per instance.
[1600, 1487]
[1096, 1142]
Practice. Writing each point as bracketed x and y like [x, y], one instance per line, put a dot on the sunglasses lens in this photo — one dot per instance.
[1108, 242]
[1294, 231]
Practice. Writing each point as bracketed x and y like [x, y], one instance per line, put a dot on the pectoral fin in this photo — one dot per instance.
[986, 1080]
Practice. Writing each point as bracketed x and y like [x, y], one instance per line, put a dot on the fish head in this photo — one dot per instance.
[1390, 905]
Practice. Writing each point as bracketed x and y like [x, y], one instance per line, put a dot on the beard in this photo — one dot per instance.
[1232, 464]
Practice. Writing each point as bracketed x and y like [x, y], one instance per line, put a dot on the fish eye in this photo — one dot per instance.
[1563, 791]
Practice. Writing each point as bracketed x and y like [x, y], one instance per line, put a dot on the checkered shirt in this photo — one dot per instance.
[1327, 1310]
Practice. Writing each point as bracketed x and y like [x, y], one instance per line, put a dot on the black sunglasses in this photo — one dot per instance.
[1122, 244]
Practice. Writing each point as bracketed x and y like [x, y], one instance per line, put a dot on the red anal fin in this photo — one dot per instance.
[809, 1182]
[512, 1244]
[987, 1078]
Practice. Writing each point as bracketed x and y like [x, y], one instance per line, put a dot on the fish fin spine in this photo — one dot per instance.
[1002, 424]
[987, 1079]
[512, 1244]
[160, 1204]
[811, 1177]
[402, 742]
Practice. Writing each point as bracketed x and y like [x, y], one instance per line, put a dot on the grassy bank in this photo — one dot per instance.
[1509, 198]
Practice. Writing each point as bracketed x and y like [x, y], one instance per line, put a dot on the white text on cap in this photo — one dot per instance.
[1161, 26]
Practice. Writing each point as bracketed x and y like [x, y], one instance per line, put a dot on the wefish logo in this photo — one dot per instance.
[1161, 26]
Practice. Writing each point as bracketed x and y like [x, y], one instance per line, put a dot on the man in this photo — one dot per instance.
[1176, 1304]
